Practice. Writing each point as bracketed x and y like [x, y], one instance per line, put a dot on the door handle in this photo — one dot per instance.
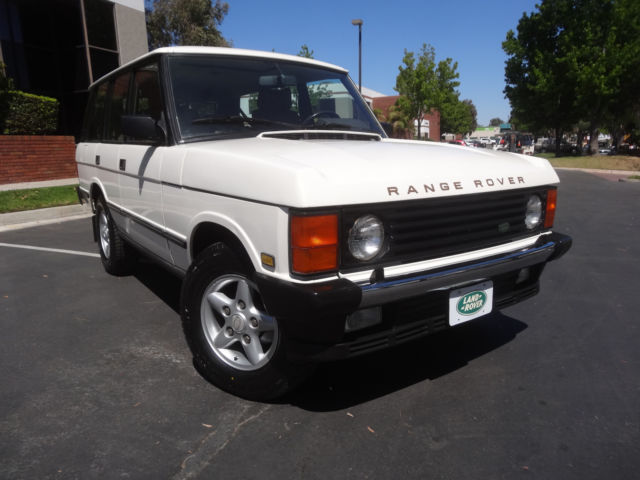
[123, 164]
[97, 159]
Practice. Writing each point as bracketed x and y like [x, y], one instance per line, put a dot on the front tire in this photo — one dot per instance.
[235, 343]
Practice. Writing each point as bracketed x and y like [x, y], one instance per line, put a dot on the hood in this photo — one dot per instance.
[317, 172]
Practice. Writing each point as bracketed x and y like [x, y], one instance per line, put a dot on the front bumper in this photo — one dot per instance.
[548, 248]
[313, 316]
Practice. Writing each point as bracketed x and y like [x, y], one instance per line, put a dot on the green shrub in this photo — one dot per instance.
[27, 114]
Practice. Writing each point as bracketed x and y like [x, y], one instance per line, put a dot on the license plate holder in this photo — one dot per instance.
[470, 302]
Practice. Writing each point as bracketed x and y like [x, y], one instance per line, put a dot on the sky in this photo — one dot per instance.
[470, 32]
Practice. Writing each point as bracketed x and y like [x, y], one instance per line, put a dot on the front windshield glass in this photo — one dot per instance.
[223, 97]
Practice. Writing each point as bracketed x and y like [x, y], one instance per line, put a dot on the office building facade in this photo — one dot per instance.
[58, 48]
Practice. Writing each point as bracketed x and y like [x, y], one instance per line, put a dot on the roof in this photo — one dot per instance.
[369, 93]
[235, 52]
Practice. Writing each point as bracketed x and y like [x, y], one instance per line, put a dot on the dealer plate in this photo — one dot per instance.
[470, 302]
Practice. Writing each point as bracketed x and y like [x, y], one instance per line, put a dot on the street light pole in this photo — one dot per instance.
[358, 22]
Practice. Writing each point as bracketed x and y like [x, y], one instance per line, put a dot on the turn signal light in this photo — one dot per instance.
[314, 243]
[550, 213]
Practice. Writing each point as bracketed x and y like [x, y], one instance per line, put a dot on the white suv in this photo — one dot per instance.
[302, 232]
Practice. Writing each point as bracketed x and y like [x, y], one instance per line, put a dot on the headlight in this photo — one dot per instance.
[366, 238]
[534, 212]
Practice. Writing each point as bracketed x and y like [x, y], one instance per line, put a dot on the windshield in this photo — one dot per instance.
[218, 96]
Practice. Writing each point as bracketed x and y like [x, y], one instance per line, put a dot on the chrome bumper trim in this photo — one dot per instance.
[394, 290]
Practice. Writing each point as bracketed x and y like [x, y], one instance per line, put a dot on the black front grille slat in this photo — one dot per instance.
[455, 228]
[479, 240]
[425, 229]
[435, 222]
[456, 209]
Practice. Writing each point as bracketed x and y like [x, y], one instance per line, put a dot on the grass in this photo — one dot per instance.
[19, 200]
[597, 162]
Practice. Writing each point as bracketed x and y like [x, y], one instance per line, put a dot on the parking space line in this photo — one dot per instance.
[54, 250]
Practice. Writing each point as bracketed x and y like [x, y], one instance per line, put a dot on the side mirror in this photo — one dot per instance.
[142, 127]
[388, 128]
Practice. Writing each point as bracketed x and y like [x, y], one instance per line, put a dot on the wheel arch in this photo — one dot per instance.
[208, 233]
[96, 191]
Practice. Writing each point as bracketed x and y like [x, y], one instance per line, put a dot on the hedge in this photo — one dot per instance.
[26, 114]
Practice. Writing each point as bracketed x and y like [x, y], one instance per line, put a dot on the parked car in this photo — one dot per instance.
[502, 144]
[301, 232]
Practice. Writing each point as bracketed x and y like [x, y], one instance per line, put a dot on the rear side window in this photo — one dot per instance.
[117, 107]
[135, 93]
[147, 97]
[94, 123]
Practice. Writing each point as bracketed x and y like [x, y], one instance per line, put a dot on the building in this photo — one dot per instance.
[481, 132]
[430, 127]
[369, 94]
[58, 48]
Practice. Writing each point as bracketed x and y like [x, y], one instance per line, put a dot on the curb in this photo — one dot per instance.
[43, 216]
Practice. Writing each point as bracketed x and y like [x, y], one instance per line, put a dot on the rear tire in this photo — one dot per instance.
[115, 254]
[235, 343]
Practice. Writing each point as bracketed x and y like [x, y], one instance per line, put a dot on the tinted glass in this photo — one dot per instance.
[118, 107]
[230, 97]
[147, 97]
[95, 113]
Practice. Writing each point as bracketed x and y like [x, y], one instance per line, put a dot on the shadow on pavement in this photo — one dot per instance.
[342, 384]
[163, 284]
[338, 385]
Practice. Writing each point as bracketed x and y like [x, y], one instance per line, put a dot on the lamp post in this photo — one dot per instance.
[358, 22]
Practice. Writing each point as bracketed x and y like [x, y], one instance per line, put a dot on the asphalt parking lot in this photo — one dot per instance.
[97, 380]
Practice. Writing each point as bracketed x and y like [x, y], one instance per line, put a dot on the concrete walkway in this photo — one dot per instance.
[43, 216]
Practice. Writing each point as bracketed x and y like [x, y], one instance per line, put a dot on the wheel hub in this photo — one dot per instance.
[237, 322]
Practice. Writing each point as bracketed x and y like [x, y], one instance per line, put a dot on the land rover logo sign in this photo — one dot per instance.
[471, 302]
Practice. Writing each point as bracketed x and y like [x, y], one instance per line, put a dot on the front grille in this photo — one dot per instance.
[432, 228]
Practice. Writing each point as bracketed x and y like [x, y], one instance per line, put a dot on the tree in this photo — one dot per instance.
[574, 61]
[400, 121]
[186, 22]
[426, 85]
[415, 83]
[305, 52]
[458, 116]
[496, 122]
[539, 81]
[473, 111]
